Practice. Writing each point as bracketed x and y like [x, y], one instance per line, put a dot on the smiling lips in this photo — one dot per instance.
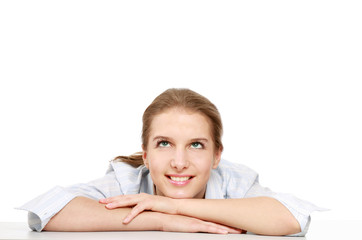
[179, 180]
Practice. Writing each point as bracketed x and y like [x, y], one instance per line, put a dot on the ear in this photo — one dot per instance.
[217, 158]
[144, 156]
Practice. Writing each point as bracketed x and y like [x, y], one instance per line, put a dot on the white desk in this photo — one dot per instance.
[319, 230]
[11, 230]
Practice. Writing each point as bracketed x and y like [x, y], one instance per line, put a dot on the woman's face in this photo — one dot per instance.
[180, 153]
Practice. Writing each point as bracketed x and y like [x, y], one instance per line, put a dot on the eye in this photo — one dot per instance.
[197, 145]
[163, 144]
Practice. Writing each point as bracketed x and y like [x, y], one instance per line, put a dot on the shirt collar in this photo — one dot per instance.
[147, 184]
[214, 186]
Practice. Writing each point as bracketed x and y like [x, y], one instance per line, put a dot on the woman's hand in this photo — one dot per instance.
[172, 222]
[141, 202]
[178, 223]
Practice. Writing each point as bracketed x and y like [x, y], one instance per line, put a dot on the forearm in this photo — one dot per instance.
[84, 214]
[262, 215]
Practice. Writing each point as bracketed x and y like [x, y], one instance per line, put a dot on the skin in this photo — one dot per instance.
[83, 214]
[180, 144]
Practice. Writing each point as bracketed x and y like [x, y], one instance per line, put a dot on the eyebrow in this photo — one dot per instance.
[199, 139]
[161, 137]
[168, 138]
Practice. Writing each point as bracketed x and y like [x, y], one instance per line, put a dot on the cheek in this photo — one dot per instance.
[157, 163]
[204, 166]
[204, 159]
[206, 170]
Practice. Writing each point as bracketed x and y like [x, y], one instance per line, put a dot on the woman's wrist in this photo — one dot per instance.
[156, 221]
[178, 203]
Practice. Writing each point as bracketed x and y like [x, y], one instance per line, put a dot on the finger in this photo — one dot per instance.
[134, 212]
[214, 229]
[209, 227]
[231, 229]
[124, 202]
[110, 199]
[119, 204]
[117, 198]
[103, 200]
[226, 228]
[235, 231]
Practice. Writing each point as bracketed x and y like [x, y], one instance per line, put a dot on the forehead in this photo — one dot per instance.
[181, 123]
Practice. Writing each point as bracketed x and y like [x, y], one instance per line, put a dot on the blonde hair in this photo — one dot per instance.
[172, 98]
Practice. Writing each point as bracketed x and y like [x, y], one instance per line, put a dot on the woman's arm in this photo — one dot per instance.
[260, 215]
[84, 214]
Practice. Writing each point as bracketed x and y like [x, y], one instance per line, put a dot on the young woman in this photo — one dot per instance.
[177, 183]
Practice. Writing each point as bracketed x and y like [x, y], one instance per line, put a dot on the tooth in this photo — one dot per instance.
[180, 179]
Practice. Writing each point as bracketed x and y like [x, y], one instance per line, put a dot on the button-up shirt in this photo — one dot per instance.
[228, 180]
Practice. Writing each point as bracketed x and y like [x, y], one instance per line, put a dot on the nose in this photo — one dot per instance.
[179, 160]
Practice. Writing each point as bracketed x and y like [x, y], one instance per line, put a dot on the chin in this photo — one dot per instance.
[179, 196]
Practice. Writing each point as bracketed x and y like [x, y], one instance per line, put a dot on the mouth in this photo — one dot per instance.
[179, 180]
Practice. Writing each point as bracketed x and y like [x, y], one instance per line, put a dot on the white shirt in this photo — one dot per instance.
[229, 180]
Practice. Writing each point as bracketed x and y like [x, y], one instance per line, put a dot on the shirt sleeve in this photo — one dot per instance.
[300, 209]
[44, 207]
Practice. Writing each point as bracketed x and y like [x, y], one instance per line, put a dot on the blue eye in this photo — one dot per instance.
[163, 144]
[196, 145]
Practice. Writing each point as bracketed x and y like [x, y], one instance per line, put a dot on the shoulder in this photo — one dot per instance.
[130, 178]
[237, 178]
[236, 170]
[118, 166]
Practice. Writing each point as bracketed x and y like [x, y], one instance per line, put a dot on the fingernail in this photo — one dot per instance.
[126, 220]
[224, 232]
[109, 205]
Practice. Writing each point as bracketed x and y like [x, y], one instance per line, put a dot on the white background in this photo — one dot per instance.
[286, 76]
